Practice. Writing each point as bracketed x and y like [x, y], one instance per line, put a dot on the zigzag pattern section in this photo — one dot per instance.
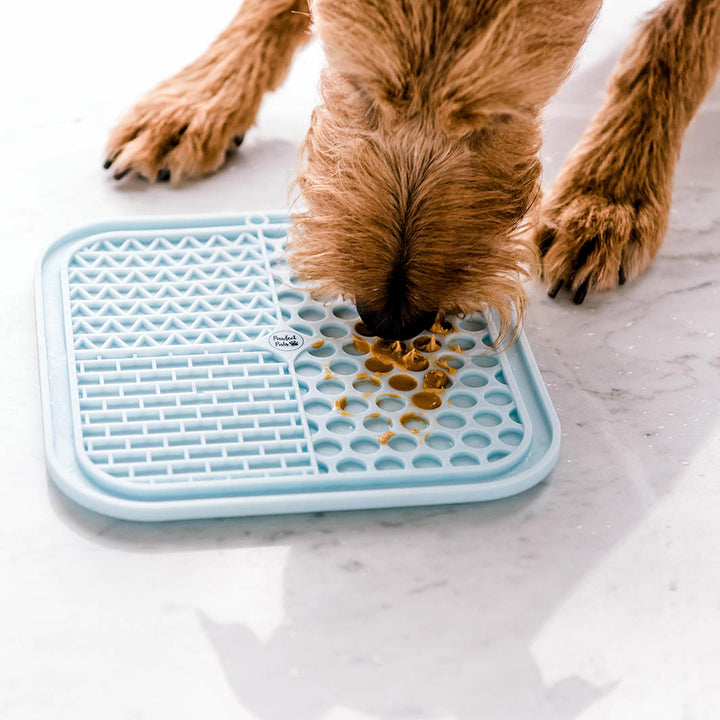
[131, 292]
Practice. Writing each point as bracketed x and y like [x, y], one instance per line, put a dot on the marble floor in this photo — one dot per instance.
[594, 596]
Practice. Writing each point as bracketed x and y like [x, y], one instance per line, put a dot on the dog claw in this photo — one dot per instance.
[581, 292]
[163, 175]
[110, 160]
[238, 140]
[120, 174]
[622, 278]
[555, 289]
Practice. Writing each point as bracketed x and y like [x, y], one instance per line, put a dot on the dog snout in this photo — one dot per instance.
[394, 325]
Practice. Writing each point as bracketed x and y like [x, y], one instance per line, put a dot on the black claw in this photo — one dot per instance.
[238, 140]
[111, 159]
[555, 289]
[163, 175]
[581, 292]
[120, 174]
[621, 276]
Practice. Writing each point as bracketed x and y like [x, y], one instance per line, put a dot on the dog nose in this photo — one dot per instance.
[390, 326]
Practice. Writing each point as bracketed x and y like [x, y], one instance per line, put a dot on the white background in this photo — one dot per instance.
[595, 595]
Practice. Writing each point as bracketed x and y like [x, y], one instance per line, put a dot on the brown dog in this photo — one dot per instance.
[421, 166]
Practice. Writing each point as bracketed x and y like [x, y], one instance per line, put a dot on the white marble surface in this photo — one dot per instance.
[594, 596]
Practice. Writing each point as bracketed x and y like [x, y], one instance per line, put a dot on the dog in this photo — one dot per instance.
[420, 174]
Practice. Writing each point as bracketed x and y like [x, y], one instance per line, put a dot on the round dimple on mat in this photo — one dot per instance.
[365, 445]
[343, 367]
[377, 423]
[426, 461]
[485, 361]
[354, 349]
[462, 400]
[176, 389]
[402, 443]
[321, 350]
[331, 387]
[351, 405]
[415, 422]
[462, 342]
[311, 314]
[347, 466]
[473, 324]
[511, 437]
[451, 420]
[317, 407]
[341, 425]
[390, 403]
[498, 397]
[476, 440]
[464, 459]
[290, 297]
[333, 331]
[345, 312]
[439, 441]
[366, 384]
[487, 417]
[327, 447]
[388, 463]
[308, 368]
[473, 379]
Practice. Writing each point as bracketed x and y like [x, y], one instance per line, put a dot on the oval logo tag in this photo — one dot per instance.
[286, 340]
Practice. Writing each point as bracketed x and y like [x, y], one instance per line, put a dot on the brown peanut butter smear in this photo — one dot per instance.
[365, 383]
[362, 346]
[404, 383]
[436, 380]
[378, 365]
[426, 344]
[414, 422]
[318, 344]
[395, 352]
[385, 437]
[340, 405]
[389, 350]
[442, 327]
[426, 400]
[449, 363]
[414, 361]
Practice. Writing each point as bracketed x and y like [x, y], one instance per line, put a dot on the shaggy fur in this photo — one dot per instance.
[185, 126]
[421, 166]
[607, 212]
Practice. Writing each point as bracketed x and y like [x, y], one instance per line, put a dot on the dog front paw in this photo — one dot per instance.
[592, 242]
[172, 134]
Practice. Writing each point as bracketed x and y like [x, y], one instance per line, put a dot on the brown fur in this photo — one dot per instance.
[607, 213]
[421, 167]
[185, 126]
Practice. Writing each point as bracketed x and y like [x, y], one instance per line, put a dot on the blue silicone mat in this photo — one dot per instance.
[185, 373]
